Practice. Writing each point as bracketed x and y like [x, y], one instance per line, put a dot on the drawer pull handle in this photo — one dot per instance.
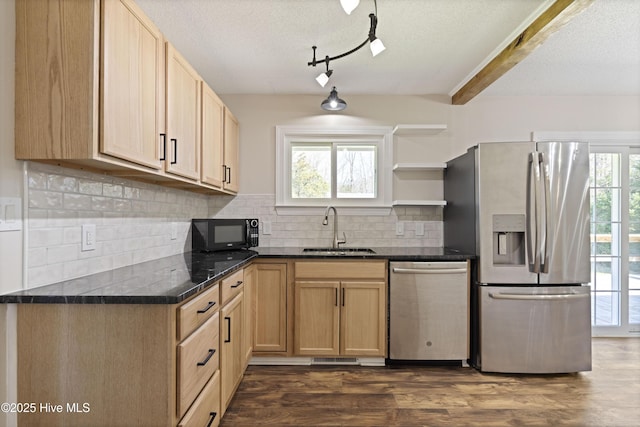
[207, 308]
[209, 356]
[228, 319]
[238, 283]
[213, 417]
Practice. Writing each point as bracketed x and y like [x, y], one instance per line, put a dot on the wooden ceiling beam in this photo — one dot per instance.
[550, 21]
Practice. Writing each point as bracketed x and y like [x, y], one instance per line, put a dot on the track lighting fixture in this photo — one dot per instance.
[333, 103]
[374, 42]
[349, 5]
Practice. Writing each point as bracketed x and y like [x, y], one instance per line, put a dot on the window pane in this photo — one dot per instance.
[634, 307]
[634, 171]
[605, 306]
[356, 171]
[607, 171]
[311, 171]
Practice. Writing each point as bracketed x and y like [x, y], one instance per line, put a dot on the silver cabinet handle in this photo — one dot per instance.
[430, 271]
[499, 295]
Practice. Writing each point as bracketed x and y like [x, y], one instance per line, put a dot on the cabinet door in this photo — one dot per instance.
[231, 349]
[270, 327]
[248, 313]
[132, 85]
[363, 319]
[183, 116]
[212, 137]
[231, 151]
[317, 323]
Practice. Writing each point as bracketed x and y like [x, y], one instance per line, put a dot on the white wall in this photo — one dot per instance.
[10, 186]
[482, 119]
[514, 118]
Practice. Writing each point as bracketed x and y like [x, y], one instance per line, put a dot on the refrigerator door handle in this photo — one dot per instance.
[544, 244]
[533, 253]
[499, 295]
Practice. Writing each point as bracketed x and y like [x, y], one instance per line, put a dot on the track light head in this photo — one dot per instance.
[323, 78]
[349, 5]
[333, 102]
[376, 46]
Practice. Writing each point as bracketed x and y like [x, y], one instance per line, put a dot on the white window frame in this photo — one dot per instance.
[381, 136]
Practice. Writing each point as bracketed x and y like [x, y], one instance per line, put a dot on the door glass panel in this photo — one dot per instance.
[634, 239]
[606, 235]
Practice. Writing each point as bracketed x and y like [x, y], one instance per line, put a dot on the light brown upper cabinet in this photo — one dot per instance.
[132, 85]
[98, 87]
[183, 116]
[231, 152]
[212, 137]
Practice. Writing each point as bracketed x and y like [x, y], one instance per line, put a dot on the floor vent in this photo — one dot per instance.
[335, 361]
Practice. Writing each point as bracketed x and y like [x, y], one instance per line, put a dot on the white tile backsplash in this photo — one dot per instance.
[308, 231]
[132, 222]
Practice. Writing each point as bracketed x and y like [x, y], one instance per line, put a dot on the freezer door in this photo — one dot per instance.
[539, 330]
[501, 184]
[567, 222]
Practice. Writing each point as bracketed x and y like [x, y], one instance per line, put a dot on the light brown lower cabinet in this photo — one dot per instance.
[134, 364]
[271, 310]
[232, 355]
[340, 308]
[206, 408]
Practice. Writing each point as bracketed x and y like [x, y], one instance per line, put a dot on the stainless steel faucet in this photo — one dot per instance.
[336, 242]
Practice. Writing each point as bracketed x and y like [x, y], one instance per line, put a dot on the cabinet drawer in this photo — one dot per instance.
[195, 312]
[198, 359]
[342, 270]
[206, 406]
[231, 286]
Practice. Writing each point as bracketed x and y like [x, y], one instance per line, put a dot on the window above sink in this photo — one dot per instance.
[346, 167]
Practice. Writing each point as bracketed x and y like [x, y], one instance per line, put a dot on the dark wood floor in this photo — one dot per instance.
[609, 395]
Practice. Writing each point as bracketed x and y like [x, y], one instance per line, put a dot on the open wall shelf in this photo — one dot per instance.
[402, 130]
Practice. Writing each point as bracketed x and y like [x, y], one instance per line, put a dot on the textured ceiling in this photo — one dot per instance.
[433, 46]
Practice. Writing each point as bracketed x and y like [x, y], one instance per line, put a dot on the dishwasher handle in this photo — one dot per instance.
[400, 270]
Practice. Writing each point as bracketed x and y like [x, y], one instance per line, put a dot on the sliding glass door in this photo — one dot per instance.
[615, 240]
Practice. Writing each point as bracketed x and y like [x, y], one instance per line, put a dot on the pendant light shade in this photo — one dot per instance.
[349, 5]
[333, 103]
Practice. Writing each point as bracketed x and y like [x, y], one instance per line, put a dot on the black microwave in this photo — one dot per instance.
[208, 235]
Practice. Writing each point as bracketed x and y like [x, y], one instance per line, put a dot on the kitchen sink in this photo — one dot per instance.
[340, 251]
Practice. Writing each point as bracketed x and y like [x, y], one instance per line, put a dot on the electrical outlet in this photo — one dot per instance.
[399, 228]
[419, 228]
[88, 237]
[174, 230]
[266, 227]
[10, 213]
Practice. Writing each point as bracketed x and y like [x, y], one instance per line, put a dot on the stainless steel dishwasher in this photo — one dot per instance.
[429, 311]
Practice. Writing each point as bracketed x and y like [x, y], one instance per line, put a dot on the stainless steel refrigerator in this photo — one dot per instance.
[523, 209]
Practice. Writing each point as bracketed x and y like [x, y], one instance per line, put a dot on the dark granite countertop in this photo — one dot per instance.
[390, 253]
[173, 279]
[167, 280]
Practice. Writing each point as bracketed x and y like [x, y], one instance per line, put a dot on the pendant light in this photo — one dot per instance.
[333, 103]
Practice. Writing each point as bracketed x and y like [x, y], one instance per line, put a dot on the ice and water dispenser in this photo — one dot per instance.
[508, 239]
